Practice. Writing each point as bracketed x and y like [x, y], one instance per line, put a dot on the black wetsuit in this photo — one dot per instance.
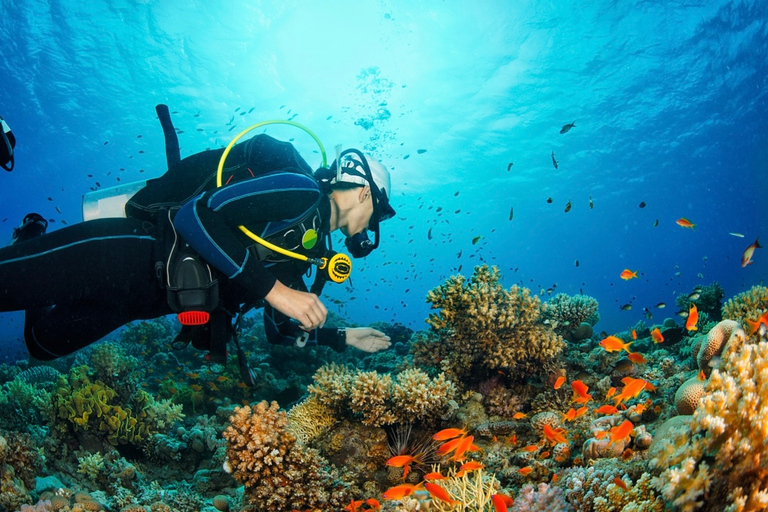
[81, 282]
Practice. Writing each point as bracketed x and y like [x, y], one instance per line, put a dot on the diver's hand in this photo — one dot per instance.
[367, 339]
[303, 307]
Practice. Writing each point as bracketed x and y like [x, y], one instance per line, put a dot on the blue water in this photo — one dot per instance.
[669, 101]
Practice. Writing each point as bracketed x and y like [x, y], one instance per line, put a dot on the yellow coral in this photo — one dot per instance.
[86, 405]
[309, 419]
[378, 399]
[747, 305]
[726, 455]
[480, 324]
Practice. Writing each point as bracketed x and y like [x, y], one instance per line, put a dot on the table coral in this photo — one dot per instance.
[726, 453]
[482, 328]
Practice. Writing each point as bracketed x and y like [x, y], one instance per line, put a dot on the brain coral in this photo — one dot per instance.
[727, 333]
[482, 328]
[278, 474]
[726, 457]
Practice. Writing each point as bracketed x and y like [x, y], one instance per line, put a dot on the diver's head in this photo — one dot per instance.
[373, 184]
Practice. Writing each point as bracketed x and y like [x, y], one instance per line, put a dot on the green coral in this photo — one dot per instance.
[88, 407]
[482, 328]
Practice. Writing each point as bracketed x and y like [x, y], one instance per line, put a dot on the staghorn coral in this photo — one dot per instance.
[482, 328]
[725, 452]
[278, 473]
[747, 305]
[566, 313]
[379, 399]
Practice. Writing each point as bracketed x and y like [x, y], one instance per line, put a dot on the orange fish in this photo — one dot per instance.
[559, 382]
[685, 223]
[582, 411]
[554, 435]
[464, 446]
[606, 409]
[501, 502]
[634, 334]
[614, 344]
[746, 257]
[600, 434]
[519, 416]
[434, 476]
[570, 415]
[449, 433]
[439, 493]
[544, 455]
[222, 378]
[449, 446]
[399, 492]
[580, 392]
[627, 274]
[636, 357]
[530, 448]
[755, 326]
[399, 461]
[627, 454]
[619, 482]
[525, 471]
[632, 388]
[693, 318]
[610, 393]
[621, 432]
[471, 466]
[373, 503]
[354, 506]
[656, 336]
[702, 376]
[512, 439]
[639, 409]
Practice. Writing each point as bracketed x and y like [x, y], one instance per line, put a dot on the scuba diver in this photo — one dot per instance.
[190, 246]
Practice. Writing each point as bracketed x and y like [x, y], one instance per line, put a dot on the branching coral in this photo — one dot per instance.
[278, 474]
[726, 454]
[747, 305]
[379, 399]
[566, 313]
[482, 328]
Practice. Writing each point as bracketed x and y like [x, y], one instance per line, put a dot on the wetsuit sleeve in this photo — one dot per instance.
[209, 223]
[281, 330]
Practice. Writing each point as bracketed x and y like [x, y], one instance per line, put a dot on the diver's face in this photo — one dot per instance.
[360, 215]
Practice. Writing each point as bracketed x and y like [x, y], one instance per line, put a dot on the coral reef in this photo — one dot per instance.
[565, 314]
[278, 473]
[90, 408]
[724, 458]
[482, 328]
[308, 419]
[727, 333]
[378, 399]
[747, 305]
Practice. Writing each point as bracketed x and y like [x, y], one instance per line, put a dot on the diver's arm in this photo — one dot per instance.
[209, 223]
[281, 330]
